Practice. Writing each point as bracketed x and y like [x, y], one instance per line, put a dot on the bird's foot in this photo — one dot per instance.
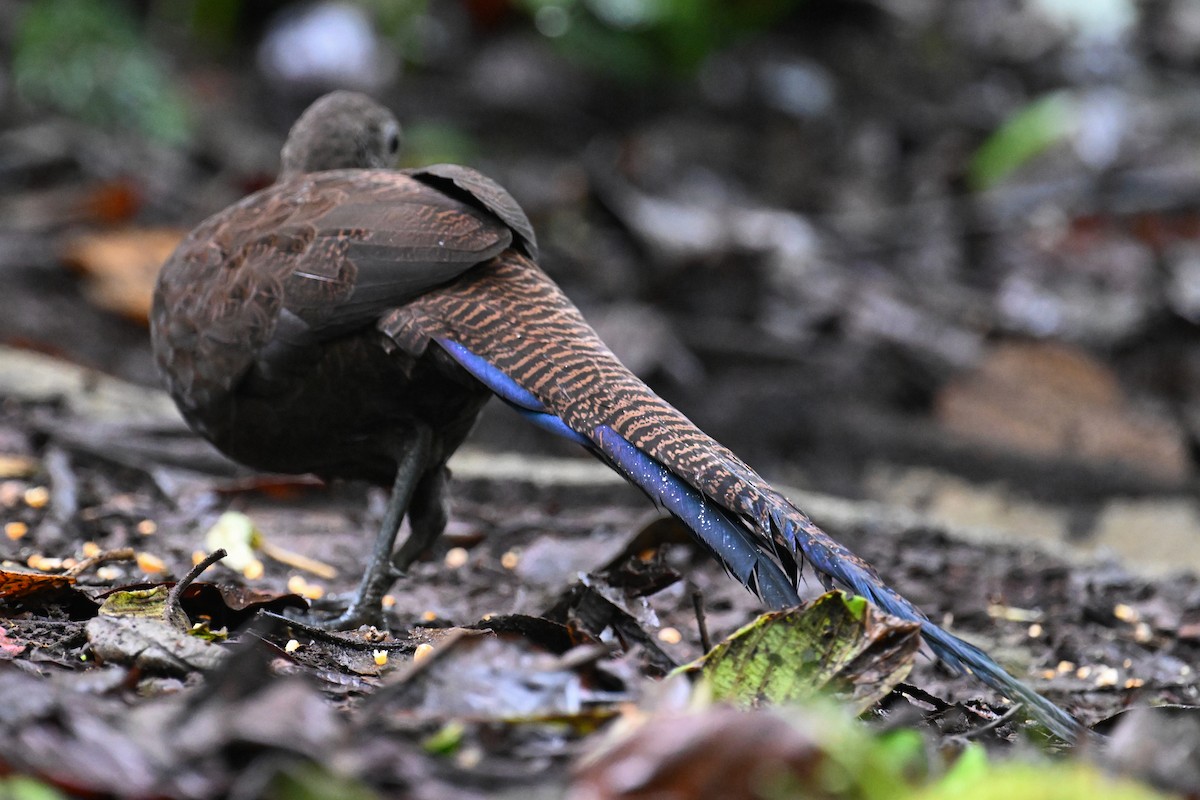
[366, 607]
[353, 618]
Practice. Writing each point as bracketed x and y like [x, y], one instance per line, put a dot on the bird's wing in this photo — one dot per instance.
[483, 192]
[304, 260]
[384, 238]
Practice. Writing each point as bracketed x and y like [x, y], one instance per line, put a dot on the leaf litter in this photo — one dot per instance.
[498, 670]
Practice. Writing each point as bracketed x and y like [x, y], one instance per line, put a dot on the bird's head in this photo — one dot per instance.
[341, 130]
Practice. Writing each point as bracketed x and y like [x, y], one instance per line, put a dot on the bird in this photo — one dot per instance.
[351, 320]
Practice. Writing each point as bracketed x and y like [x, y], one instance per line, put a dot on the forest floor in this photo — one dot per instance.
[992, 394]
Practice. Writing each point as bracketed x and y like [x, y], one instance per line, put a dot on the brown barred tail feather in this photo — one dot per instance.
[510, 326]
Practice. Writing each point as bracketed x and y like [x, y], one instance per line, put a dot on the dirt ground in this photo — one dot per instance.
[991, 392]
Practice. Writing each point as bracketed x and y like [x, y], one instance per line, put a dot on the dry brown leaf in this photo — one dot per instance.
[122, 266]
[19, 583]
[1056, 401]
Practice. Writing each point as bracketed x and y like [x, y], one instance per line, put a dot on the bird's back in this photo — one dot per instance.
[263, 321]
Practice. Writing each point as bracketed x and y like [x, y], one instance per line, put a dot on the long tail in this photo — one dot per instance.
[512, 328]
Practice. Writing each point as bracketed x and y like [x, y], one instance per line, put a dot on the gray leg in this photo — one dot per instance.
[427, 515]
[380, 574]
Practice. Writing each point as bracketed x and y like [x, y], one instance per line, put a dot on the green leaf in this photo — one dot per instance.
[308, 781]
[19, 787]
[136, 603]
[237, 535]
[639, 40]
[446, 740]
[968, 769]
[1049, 781]
[837, 645]
[1044, 122]
[437, 143]
[89, 59]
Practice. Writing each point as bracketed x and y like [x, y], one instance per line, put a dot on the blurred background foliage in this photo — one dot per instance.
[642, 39]
[872, 193]
[99, 61]
[115, 64]
[89, 59]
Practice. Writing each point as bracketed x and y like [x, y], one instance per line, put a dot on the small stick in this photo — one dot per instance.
[996, 723]
[180, 586]
[701, 622]
[124, 554]
[285, 556]
[343, 639]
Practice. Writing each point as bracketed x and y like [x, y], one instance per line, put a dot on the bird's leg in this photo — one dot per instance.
[380, 573]
[427, 515]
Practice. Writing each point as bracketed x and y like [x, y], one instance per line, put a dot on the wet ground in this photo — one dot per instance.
[993, 393]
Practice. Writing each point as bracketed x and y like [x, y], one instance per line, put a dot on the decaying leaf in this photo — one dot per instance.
[484, 676]
[720, 752]
[838, 644]
[813, 751]
[140, 628]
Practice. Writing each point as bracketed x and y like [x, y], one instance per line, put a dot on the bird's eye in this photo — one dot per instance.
[393, 142]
